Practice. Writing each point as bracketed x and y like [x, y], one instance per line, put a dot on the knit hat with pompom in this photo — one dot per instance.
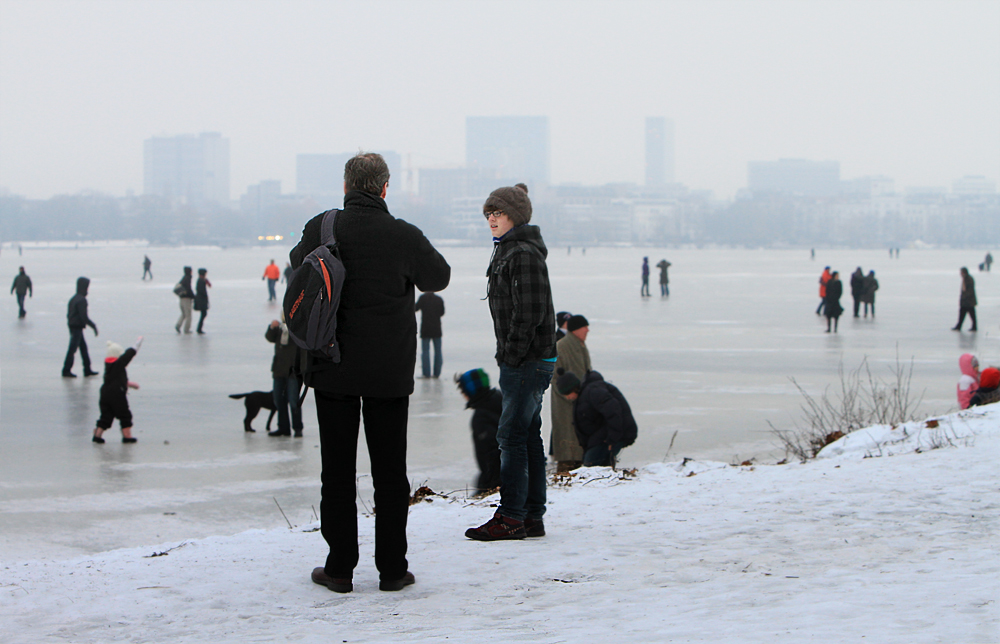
[512, 201]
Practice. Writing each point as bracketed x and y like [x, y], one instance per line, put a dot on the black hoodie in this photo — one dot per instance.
[76, 314]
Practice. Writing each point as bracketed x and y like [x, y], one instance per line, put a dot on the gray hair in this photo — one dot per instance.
[367, 172]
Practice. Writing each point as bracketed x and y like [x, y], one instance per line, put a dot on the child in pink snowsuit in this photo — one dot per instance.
[969, 381]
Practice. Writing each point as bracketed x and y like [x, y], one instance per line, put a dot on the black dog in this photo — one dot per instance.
[255, 401]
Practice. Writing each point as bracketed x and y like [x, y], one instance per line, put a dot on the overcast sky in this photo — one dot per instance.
[906, 89]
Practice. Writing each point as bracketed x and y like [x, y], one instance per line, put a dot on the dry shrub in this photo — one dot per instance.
[864, 400]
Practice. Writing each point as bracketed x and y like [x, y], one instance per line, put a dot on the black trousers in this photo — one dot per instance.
[76, 341]
[962, 310]
[385, 432]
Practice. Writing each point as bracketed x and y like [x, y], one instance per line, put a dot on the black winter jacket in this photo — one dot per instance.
[115, 376]
[285, 355]
[201, 295]
[385, 258]
[524, 320]
[431, 309]
[186, 285]
[601, 414]
[76, 312]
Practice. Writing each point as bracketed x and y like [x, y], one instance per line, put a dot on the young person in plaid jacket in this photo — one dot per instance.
[524, 323]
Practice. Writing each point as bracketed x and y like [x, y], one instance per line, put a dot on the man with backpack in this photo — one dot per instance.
[384, 259]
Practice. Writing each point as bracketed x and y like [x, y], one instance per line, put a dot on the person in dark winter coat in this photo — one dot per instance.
[77, 320]
[524, 324]
[831, 301]
[431, 309]
[601, 415]
[286, 380]
[989, 388]
[857, 289]
[22, 285]
[644, 291]
[201, 297]
[967, 300]
[147, 265]
[487, 405]
[186, 295]
[663, 265]
[385, 259]
[868, 295]
[113, 401]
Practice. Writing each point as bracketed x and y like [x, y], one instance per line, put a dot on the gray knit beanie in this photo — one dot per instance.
[511, 201]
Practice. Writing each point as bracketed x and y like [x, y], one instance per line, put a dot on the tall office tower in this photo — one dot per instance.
[508, 148]
[322, 175]
[659, 151]
[796, 176]
[194, 168]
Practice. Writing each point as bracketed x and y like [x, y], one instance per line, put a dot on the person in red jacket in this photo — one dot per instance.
[823, 279]
[272, 274]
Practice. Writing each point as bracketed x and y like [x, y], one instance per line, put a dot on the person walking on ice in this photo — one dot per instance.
[272, 274]
[114, 401]
[22, 284]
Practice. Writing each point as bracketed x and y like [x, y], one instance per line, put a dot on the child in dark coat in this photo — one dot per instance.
[487, 403]
[113, 402]
[601, 415]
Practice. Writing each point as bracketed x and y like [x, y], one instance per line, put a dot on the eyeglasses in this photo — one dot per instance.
[496, 214]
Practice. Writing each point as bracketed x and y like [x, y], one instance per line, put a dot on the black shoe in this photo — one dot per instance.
[177, 328]
[534, 528]
[97, 439]
[88, 374]
[320, 577]
[955, 328]
[68, 374]
[498, 529]
[278, 432]
[406, 580]
[129, 440]
[200, 332]
[298, 433]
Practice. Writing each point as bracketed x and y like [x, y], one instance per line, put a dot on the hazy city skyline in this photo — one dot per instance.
[910, 90]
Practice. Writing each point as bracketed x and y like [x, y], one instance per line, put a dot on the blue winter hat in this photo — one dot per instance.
[472, 382]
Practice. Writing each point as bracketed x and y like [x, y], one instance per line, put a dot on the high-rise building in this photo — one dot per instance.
[193, 168]
[659, 151]
[795, 176]
[508, 148]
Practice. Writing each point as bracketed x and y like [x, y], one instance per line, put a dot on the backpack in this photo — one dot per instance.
[313, 296]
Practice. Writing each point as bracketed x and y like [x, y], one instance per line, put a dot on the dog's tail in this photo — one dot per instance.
[238, 396]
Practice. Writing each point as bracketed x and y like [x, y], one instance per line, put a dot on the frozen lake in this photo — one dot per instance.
[712, 362]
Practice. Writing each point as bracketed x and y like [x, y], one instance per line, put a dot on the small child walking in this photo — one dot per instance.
[113, 402]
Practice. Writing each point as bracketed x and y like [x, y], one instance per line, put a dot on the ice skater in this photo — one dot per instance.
[114, 399]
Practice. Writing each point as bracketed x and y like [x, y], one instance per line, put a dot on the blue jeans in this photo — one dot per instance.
[425, 356]
[522, 457]
[286, 396]
[600, 454]
[271, 295]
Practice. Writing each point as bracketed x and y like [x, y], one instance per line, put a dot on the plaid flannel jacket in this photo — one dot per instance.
[520, 298]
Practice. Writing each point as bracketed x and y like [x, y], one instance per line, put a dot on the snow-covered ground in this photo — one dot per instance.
[892, 535]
